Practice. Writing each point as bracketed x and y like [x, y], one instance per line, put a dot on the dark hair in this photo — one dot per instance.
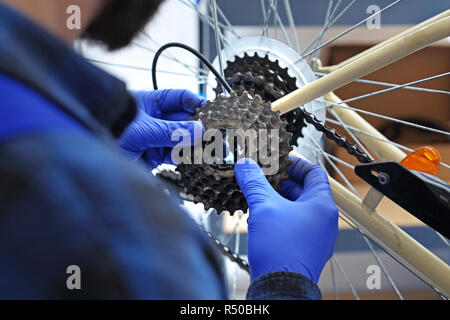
[120, 21]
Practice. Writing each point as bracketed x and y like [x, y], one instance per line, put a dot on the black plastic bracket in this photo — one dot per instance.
[423, 195]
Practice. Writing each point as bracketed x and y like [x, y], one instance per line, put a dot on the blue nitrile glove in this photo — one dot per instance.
[296, 233]
[160, 114]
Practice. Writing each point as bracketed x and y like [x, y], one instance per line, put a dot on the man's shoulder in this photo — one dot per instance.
[76, 168]
[38, 139]
[74, 194]
[47, 156]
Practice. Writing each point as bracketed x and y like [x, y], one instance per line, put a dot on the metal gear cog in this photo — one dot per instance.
[260, 75]
[215, 185]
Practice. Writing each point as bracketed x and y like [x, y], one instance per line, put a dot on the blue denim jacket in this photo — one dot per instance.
[68, 196]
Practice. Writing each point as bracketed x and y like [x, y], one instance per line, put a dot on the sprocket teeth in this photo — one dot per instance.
[217, 188]
[263, 77]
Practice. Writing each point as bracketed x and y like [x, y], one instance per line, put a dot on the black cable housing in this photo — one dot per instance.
[193, 51]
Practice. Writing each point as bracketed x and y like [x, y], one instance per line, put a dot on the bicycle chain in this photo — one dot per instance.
[226, 251]
[308, 117]
[331, 134]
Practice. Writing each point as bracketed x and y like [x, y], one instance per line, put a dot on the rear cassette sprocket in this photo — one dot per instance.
[215, 185]
[261, 76]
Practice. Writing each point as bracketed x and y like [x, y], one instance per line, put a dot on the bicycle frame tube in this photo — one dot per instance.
[405, 33]
[392, 51]
[395, 241]
[392, 239]
[385, 151]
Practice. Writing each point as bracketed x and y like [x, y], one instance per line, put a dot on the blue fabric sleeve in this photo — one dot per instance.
[68, 198]
[283, 285]
[24, 111]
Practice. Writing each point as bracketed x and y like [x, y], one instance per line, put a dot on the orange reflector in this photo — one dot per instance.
[425, 159]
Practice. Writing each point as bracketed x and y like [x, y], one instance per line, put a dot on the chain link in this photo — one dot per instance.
[226, 251]
[331, 134]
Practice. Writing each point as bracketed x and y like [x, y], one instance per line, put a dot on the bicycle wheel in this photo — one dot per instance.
[264, 34]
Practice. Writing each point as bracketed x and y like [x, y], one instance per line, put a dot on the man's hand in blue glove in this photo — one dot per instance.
[296, 233]
[160, 114]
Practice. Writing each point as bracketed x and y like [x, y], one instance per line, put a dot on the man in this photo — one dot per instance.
[71, 199]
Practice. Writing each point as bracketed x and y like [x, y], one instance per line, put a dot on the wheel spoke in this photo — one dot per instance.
[236, 250]
[344, 275]
[325, 24]
[381, 139]
[274, 21]
[396, 87]
[168, 55]
[172, 58]
[315, 149]
[335, 168]
[205, 18]
[280, 23]
[330, 24]
[211, 13]
[352, 188]
[377, 258]
[386, 84]
[233, 232]
[290, 16]
[267, 18]
[112, 64]
[213, 6]
[376, 115]
[444, 240]
[357, 227]
[263, 9]
[227, 21]
[333, 280]
[321, 32]
[383, 268]
[221, 25]
[341, 13]
[349, 29]
[350, 133]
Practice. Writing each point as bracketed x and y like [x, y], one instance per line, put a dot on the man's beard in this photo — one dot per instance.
[120, 21]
